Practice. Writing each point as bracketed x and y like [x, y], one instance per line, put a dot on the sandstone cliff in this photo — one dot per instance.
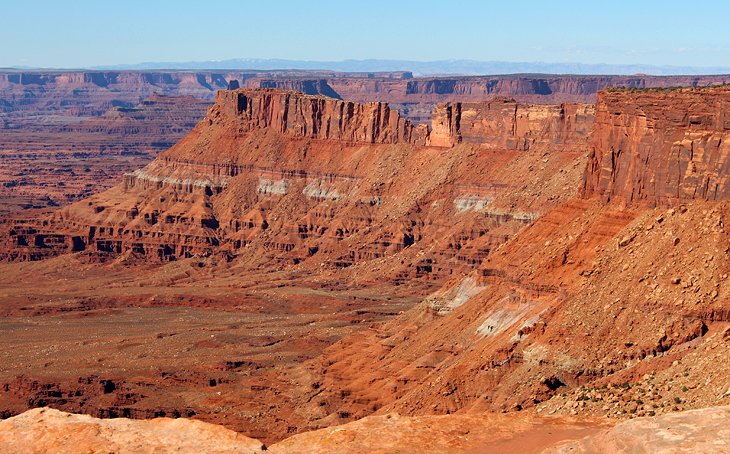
[507, 124]
[416, 98]
[300, 116]
[527, 88]
[302, 85]
[660, 147]
[94, 92]
[340, 168]
[588, 298]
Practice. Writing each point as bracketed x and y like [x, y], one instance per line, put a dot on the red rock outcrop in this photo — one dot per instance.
[591, 301]
[75, 115]
[660, 147]
[82, 93]
[416, 97]
[583, 303]
[507, 124]
[344, 166]
[527, 88]
[691, 431]
[313, 117]
[46, 430]
[302, 85]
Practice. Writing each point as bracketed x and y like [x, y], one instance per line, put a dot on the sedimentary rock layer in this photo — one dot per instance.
[312, 117]
[153, 124]
[94, 92]
[303, 176]
[660, 147]
[83, 113]
[528, 88]
[549, 302]
[507, 124]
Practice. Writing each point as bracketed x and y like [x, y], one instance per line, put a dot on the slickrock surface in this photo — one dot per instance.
[694, 431]
[661, 147]
[476, 433]
[45, 430]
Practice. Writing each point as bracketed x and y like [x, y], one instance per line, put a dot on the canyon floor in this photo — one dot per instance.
[143, 341]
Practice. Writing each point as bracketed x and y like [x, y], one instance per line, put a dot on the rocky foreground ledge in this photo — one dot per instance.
[44, 430]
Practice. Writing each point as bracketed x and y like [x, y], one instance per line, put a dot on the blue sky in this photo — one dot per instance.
[82, 33]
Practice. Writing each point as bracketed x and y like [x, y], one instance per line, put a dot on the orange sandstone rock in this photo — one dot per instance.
[660, 147]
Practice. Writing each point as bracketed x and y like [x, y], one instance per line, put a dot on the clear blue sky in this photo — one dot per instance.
[77, 33]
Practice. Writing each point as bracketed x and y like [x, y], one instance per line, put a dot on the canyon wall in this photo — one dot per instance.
[301, 116]
[154, 123]
[67, 134]
[83, 93]
[507, 124]
[587, 298]
[91, 93]
[416, 98]
[528, 88]
[305, 179]
[660, 147]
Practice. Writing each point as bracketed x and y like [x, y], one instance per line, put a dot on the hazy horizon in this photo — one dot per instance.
[417, 68]
[84, 34]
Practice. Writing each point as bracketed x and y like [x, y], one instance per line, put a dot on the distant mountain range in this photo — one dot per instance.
[431, 68]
